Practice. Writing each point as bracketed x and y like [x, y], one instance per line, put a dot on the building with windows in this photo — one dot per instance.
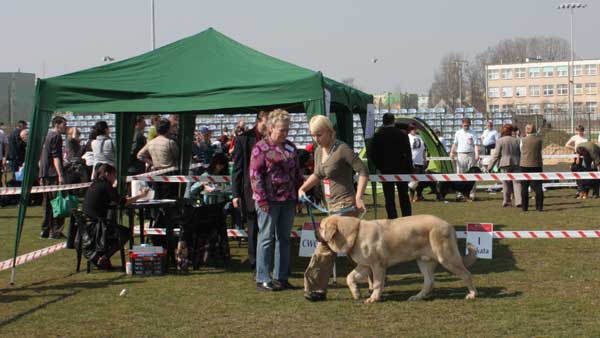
[542, 88]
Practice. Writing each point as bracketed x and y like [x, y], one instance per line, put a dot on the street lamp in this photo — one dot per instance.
[459, 65]
[571, 7]
[153, 25]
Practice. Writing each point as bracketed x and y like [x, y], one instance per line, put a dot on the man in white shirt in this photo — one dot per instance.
[468, 153]
[572, 144]
[489, 138]
[417, 147]
[576, 139]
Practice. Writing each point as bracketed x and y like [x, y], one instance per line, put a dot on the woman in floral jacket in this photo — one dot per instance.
[275, 177]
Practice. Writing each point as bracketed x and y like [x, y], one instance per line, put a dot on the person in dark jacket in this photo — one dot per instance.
[532, 162]
[240, 182]
[136, 166]
[52, 173]
[391, 153]
[101, 234]
[16, 147]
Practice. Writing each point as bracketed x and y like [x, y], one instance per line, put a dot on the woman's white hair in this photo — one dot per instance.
[278, 116]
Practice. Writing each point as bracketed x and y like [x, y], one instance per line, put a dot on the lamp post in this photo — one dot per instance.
[459, 65]
[571, 7]
[152, 25]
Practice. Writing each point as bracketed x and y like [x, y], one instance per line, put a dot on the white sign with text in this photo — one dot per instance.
[481, 236]
[308, 241]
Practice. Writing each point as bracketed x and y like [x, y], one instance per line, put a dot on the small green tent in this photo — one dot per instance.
[205, 73]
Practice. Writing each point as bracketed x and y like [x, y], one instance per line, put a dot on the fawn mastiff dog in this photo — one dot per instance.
[378, 244]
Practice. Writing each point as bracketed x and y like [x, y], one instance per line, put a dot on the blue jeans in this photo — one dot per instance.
[275, 225]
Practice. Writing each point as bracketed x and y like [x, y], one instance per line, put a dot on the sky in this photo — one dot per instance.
[339, 38]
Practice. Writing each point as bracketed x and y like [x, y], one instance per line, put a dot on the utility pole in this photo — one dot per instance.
[459, 65]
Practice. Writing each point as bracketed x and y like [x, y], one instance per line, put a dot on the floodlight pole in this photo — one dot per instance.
[571, 7]
[153, 26]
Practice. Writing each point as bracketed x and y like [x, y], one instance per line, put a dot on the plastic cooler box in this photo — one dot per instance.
[147, 260]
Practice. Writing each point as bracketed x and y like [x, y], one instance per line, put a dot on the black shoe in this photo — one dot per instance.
[267, 286]
[315, 296]
[284, 285]
[59, 235]
[44, 234]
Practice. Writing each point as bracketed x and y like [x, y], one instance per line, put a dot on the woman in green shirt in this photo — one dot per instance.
[334, 165]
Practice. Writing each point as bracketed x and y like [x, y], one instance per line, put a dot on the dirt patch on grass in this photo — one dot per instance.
[555, 149]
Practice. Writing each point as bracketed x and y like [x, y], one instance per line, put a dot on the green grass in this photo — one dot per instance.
[532, 288]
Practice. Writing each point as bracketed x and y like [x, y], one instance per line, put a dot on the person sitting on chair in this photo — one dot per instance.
[101, 234]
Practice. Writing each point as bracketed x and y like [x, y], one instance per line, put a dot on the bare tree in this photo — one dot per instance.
[446, 80]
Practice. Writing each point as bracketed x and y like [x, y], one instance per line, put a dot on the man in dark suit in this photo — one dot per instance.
[531, 162]
[390, 152]
[16, 147]
[240, 180]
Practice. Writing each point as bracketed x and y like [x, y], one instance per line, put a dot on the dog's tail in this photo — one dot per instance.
[471, 257]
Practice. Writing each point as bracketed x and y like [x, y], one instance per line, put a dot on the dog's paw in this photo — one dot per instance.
[415, 298]
[371, 300]
[471, 296]
[355, 294]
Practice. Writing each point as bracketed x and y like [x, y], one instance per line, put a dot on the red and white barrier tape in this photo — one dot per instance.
[563, 156]
[7, 264]
[237, 233]
[592, 175]
[45, 188]
[164, 171]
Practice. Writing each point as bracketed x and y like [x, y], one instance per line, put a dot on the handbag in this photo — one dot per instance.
[62, 205]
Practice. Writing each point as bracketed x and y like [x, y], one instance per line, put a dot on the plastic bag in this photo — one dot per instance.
[62, 205]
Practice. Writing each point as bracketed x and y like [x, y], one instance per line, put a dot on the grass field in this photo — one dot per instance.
[532, 288]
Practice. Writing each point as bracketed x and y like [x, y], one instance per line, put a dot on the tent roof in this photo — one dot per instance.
[205, 71]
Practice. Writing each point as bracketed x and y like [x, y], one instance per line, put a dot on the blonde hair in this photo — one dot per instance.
[320, 123]
[276, 116]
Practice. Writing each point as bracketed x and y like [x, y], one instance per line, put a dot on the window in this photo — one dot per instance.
[590, 69]
[534, 108]
[562, 107]
[521, 109]
[562, 89]
[507, 74]
[493, 74]
[562, 71]
[577, 70]
[591, 89]
[494, 92]
[548, 90]
[591, 107]
[578, 89]
[534, 90]
[534, 72]
[548, 71]
[520, 73]
[494, 108]
[507, 92]
[548, 108]
[520, 92]
[578, 107]
[507, 108]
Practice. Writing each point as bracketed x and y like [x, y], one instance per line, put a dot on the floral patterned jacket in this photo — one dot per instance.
[275, 173]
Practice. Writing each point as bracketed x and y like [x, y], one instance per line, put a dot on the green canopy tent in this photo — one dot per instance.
[435, 148]
[205, 73]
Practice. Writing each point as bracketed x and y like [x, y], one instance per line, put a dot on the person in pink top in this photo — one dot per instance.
[275, 177]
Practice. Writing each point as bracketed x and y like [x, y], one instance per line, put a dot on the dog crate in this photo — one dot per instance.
[148, 260]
